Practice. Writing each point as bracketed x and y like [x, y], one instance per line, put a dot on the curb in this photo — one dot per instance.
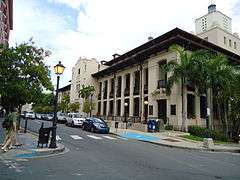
[188, 148]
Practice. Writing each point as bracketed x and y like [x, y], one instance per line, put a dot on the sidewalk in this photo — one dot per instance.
[29, 149]
[172, 139]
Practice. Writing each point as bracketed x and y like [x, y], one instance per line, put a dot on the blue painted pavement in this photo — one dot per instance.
[137, 136]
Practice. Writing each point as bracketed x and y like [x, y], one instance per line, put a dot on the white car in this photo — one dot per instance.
[30, 115]
[61, 117]
[75, 119]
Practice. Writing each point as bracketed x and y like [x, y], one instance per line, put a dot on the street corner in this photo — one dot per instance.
[25, 153]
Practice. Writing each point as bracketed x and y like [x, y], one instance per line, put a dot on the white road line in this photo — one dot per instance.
[58, 138]
[123, 138]
[109, 137]
[75, 137]
[94, 137]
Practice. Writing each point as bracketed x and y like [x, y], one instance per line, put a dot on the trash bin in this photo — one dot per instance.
[43, 136]
[151, 125]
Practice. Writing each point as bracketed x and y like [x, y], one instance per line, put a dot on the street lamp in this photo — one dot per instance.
[58, 69]
[146, 110]
[125, 111]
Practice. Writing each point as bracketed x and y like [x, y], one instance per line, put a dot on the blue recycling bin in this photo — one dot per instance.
[152, 124]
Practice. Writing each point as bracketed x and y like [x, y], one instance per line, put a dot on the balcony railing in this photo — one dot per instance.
[126, 92]
[161, 84]
[145, 89]
[136, 90]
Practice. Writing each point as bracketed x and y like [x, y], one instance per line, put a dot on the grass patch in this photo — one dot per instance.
[197, 138]
[191, 137]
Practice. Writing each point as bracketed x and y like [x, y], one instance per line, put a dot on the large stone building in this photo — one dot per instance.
[216, 27]
[81, 75]
[134, 84]
[6, 20]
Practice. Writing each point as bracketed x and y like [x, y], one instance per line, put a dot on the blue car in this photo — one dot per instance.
[95, 125]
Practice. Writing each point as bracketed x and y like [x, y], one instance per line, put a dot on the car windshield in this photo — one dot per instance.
[96, 120]
[77, 116]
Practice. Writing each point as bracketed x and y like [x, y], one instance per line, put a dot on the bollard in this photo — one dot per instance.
[25, 126]
[116, 125]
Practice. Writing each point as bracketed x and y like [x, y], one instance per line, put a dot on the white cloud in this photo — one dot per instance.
[107, 26]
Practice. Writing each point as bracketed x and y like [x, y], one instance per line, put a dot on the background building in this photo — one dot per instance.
[6, 20]
[216, 27]
[64, 91]
[82, 75]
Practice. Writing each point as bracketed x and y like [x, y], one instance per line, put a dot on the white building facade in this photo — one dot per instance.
[216, 28]
[82, 75]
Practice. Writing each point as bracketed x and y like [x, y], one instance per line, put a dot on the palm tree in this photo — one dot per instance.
[86, 91]
[181, 71]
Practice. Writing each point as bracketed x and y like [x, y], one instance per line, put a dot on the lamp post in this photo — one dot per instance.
[125, 112]
[146, 110]
[58, 69]
[91, 105]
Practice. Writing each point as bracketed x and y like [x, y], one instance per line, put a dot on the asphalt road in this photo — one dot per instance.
[115, 158]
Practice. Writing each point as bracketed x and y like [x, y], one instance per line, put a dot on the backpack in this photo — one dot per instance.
[6, 123]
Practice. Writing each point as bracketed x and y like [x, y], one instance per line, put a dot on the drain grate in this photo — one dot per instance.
[171, 140]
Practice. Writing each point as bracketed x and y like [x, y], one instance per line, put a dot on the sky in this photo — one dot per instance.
[100, 28]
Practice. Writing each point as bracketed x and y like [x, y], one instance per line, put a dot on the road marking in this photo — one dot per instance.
[123, 138]
[109, 137]
[58, 138]
[75, 137]
[94, 137]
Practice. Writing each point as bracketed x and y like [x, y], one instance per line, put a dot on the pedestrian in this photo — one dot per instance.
[10, 124]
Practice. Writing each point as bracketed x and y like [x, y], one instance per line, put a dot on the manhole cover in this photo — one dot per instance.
[171, 140]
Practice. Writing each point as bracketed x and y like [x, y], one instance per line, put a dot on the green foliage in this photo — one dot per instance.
[44, 103]
[23, 74]
[204, 133]
[87, 106]
[74, 107]
[64, 104]
[86, 91]
[169, 127]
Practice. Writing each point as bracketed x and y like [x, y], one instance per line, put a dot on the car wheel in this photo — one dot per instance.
[92, 129]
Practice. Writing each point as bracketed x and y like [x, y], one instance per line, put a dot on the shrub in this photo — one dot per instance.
[169, 127]
[206, 133]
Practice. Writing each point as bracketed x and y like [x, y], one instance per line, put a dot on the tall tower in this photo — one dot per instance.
[216, 28]
[6, 20]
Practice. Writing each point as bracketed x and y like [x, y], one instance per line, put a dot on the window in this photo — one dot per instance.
[235, 45]
[203, 106]
[230, 42]
[173, 109]
[191, 106]
[225, 40]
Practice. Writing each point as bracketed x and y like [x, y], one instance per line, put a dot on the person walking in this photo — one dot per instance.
[11, 129]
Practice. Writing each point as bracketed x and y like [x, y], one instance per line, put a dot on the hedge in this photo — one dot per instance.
[206, 133]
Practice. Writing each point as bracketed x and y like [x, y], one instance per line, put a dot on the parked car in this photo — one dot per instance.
[30, 115]
[38, 116]
[95, 125]
[75, 119]
[50, 116]
[61, 117]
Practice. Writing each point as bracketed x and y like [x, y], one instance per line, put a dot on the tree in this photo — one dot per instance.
[44, 103]
[181, 71]
[64, 104]
[88, 106]
[86, 91]
[23, 74]
[74, 107]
